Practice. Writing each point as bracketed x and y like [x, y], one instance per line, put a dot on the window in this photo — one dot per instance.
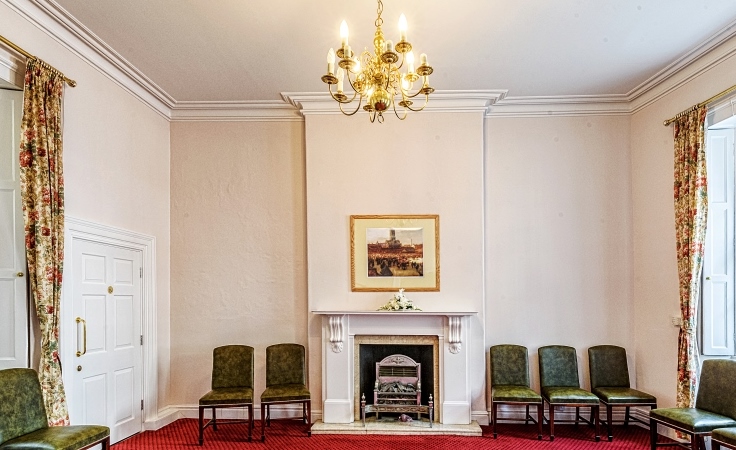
[717, 305]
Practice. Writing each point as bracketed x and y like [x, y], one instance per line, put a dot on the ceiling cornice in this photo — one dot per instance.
[51, 18]
[440, 101]
[235, 111]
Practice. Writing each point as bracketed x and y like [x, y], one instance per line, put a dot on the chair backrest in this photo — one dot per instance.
[558, 366]
[509, 365]
[21, 404]
[232, 367]
[717, 391]
[608, 366]
[285, 364]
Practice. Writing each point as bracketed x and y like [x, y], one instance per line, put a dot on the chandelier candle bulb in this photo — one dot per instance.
[402, 27]
[340, 78]
[331, 62]
[410, 61]
[389, 46]
[344, 33]
[423, 59]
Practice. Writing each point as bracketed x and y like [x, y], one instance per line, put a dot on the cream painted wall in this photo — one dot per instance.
[116, 160]
[558, 235]
[655, 261]
[431, 163]
[238, 245]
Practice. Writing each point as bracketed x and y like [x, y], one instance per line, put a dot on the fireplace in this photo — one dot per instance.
[370, 349]
[344, 332]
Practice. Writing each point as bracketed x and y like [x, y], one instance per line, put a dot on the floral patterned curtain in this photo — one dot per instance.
[42, 191]
[691, 209]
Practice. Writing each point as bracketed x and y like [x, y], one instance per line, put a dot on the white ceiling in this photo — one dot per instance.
[232, 50]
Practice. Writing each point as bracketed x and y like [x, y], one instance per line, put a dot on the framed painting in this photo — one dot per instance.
[388, 253]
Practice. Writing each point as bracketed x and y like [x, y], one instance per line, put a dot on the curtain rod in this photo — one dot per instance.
[694, 107]
[68, 80]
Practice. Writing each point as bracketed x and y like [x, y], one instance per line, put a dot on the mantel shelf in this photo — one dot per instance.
[403, 313]
[454, 322]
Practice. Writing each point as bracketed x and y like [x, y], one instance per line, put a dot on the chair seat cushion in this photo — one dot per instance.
[623, 395]
[227, 396]
[692, 419]
[285, 393]
[522, 394]
[725, 435]
[58, 438]
[566, 394]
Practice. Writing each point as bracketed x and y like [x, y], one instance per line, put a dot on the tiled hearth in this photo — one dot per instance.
[343, 331]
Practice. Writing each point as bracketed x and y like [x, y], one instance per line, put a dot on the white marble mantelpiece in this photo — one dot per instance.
[341, 327]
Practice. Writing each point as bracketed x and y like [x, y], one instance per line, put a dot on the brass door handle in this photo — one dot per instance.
[84, 327]
[19, 274]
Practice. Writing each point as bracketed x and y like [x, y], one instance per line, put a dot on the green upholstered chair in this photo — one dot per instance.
[715, 405]
[232, 386]
[558, 376]
[510, 384]
[725, 437]
[609, 380]
[23, 420]
[286, 382]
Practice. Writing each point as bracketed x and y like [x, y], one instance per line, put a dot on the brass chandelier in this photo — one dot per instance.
[376, 78]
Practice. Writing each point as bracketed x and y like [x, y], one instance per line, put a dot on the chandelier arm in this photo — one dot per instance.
[426, 100]
[397, 113]
[356, 109]
[342, 101]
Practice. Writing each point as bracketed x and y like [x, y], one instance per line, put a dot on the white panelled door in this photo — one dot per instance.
[107, 310]
[718, 264]
[13, 293]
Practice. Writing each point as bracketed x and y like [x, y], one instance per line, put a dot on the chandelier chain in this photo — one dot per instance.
[379, 11]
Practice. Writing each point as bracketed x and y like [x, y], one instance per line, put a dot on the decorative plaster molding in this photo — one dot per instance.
[455, 339]
[336, 334]
[12, 68]
[570, 105]
[51, 18]
[440, 101]
[235, 111]
[55, 21]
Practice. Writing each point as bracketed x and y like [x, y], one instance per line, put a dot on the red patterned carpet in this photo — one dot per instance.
[290, 435]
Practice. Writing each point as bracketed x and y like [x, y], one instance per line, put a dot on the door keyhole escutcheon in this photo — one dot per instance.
[109, 289]
[79, 368]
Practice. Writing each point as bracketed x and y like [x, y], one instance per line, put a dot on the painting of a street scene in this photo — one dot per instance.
[395, 252]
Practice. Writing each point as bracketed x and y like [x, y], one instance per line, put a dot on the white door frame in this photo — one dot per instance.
[77, 229]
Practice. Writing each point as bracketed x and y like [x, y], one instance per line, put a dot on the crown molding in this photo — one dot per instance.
[571, 105]
[51, 18]
[55, 21]
[235, 111]
[440, 101]
[698, 60]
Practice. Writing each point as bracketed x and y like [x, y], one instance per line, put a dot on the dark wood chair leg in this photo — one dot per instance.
[714, 445]
[250, 422]
[551, 422]
[309, 418]
[268, 415]
[201, 425]
[263, 422]
[609, 420]
[214, 419]
[526, 418]
[106, 443]
[626, 417]
[597, 414]
[653, 434]
[494, 418]
[540, 420]
[694, 441]
[577, 415]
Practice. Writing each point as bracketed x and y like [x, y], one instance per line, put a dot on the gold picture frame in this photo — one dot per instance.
[393, 252]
